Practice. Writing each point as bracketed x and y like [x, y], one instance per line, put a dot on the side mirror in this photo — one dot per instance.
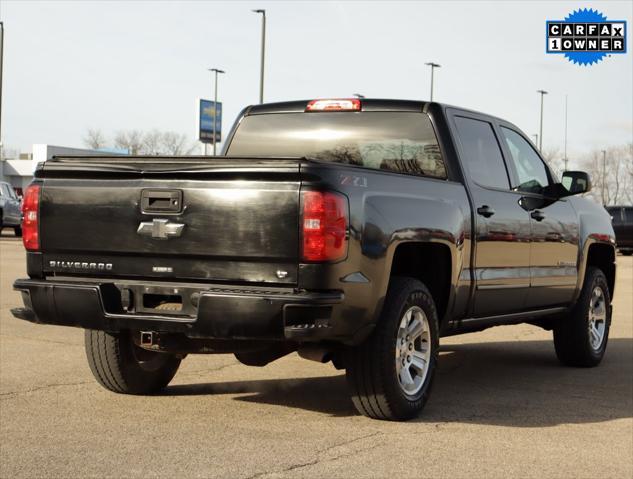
[576, 182]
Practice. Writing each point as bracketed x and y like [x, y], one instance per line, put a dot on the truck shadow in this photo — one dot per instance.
[517, 384]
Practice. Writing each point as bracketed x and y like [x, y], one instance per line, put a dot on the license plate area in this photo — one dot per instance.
[158, 300]
[163, 302]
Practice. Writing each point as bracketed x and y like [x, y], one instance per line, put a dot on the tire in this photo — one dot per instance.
[575, 343]
[18, 231]
[122, 367]
[627, 252]
[374, 371]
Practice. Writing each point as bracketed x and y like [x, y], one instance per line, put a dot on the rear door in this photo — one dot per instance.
[554, 224]
[502, 226]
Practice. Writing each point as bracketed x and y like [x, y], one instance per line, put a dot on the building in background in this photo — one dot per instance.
[18, 172]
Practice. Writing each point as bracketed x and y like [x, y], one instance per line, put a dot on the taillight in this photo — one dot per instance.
[30, 220]
[341, 104]
[324, 226]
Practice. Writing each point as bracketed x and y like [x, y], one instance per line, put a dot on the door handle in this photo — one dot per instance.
[485, 211]
[537, 215]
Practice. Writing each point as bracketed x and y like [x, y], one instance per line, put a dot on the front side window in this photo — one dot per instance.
[482, 155]
[530, 168]
[628, 215]
[403, 142]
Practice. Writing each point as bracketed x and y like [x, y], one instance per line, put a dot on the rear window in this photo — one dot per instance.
[402, 142]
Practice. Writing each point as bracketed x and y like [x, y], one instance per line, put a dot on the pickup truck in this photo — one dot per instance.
[352, 231]
[622, 220]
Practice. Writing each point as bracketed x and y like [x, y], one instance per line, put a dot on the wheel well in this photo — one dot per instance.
[431, 264]
[602, 256]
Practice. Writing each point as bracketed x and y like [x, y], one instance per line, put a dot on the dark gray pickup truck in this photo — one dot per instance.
[357, 232]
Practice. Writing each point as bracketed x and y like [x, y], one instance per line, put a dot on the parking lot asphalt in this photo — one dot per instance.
[502, 406]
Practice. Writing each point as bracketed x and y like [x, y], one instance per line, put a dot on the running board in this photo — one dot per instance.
[477, 324]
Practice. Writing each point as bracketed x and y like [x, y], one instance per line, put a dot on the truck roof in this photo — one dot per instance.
[368, 104]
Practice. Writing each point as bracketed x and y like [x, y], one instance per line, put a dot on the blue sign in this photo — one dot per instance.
[210, 121]
[585, 37]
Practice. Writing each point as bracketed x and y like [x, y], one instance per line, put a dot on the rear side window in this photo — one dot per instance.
[628, 215]
[402, 142]
[482, 154]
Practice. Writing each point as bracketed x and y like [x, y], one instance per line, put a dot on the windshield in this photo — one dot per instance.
[397, 141]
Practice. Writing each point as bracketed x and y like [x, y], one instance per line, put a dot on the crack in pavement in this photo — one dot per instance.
[13, 394]
[319, 459]
[13, 336]
[199, 372]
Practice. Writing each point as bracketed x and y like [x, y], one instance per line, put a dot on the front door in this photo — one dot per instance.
[554, 226]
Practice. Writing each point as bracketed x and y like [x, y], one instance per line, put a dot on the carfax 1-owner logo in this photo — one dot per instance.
[586, 36]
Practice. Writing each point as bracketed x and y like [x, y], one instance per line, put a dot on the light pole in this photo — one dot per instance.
[565, 159]
[535, 135]
[261, 73]
[433, 67]
[215, 102]
[604, 170]
[1, 79]
[540, 135]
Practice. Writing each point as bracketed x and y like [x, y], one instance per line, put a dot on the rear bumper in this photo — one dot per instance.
[207, 312]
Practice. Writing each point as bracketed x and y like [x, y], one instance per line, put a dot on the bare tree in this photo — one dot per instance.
[175, 144]
[611, 174]
[130, 140]
[137, 142]
[152, 143]
[555, 161]
[95, 139]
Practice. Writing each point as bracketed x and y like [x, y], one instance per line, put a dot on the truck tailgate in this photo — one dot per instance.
[200, 219]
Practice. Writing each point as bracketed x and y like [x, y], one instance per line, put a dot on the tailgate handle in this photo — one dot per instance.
[161, 201]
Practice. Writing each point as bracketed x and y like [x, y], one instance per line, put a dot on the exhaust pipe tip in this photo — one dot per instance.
[319, 354]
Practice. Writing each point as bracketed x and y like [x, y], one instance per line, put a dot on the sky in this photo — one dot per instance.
[116, 65]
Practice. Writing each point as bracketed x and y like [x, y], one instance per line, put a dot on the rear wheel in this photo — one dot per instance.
[18, 231]
[391, 373]
[581, 338]
[627, 252]
[122, 367]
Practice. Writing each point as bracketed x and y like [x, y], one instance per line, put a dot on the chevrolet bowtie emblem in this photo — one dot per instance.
[160, 229]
